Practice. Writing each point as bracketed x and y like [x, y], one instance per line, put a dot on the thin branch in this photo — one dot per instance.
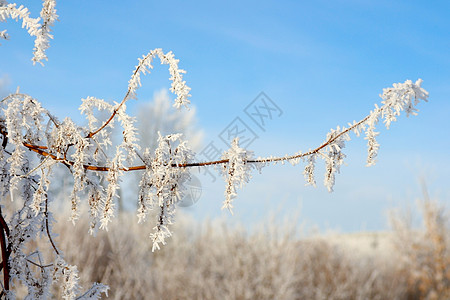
[92, 133]
[178, 86]
[34, 169]
[4, 133]
[47, 227]
[330, 141]
[3, 223]
[100, 148]
[41, 150]
[38, 265]
[5, 253]
[53, 119]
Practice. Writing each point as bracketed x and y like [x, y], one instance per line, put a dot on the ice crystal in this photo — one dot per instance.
[162, 183]
[41, 31]
[178, 86]
[237, 171]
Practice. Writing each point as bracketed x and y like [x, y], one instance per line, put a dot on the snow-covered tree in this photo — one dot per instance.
[27, 126]
[159, 115]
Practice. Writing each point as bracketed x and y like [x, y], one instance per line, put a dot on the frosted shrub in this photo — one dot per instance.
[424, 252]
[26, 126]
[270, 261]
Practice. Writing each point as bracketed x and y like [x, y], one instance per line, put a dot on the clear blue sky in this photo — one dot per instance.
[322, 62]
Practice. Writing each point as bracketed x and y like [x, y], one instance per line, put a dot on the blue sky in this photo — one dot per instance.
[322, 62]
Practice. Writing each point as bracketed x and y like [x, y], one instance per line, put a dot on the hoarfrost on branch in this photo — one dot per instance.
[25, 125]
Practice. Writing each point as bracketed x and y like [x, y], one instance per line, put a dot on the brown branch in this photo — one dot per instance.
[5, 253]
[92, 133]
[5, 136]
[3, 223]
[38, 265]
[47, 227]
[41, 150]
[330, 141]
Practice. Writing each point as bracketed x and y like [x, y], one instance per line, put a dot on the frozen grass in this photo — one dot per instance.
[212, 261]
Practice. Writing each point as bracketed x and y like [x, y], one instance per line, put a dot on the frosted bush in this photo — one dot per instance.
[26, 126]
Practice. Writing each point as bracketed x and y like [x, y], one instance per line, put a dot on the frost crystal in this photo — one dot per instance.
[309, 171]
[334, 157]
[402, 96]
[41, 31]
[162, 184]
[178, 86]
[43, 36]
[236, 172]
[372, 144]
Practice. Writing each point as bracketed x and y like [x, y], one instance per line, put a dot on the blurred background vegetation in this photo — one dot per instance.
[274, 260]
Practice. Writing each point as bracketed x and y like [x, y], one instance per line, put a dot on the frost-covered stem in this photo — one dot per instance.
[48, 15]
[40, 150]
[91, 134]
[4, 133]
[38, 265]
[178, 87]
[41, 32]
[125, 99]
[311, 152]
[47, 227]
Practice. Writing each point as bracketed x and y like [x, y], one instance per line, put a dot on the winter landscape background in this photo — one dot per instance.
[323, 64]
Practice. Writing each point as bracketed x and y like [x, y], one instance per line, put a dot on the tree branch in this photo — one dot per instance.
[41, 150]
[5, 253]
[92, 133]
[47, 227]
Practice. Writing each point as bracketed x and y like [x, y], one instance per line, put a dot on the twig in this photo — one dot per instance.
[92, 133]
[47, 227]
[38, 265]
[5, 253]
[34, 169]
[40, 150]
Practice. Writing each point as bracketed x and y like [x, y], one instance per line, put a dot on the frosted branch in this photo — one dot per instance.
[25, 125]
[41, 31]
[236, 171]
[178, 86]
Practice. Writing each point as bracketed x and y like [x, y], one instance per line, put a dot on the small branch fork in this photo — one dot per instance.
[92, 133]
